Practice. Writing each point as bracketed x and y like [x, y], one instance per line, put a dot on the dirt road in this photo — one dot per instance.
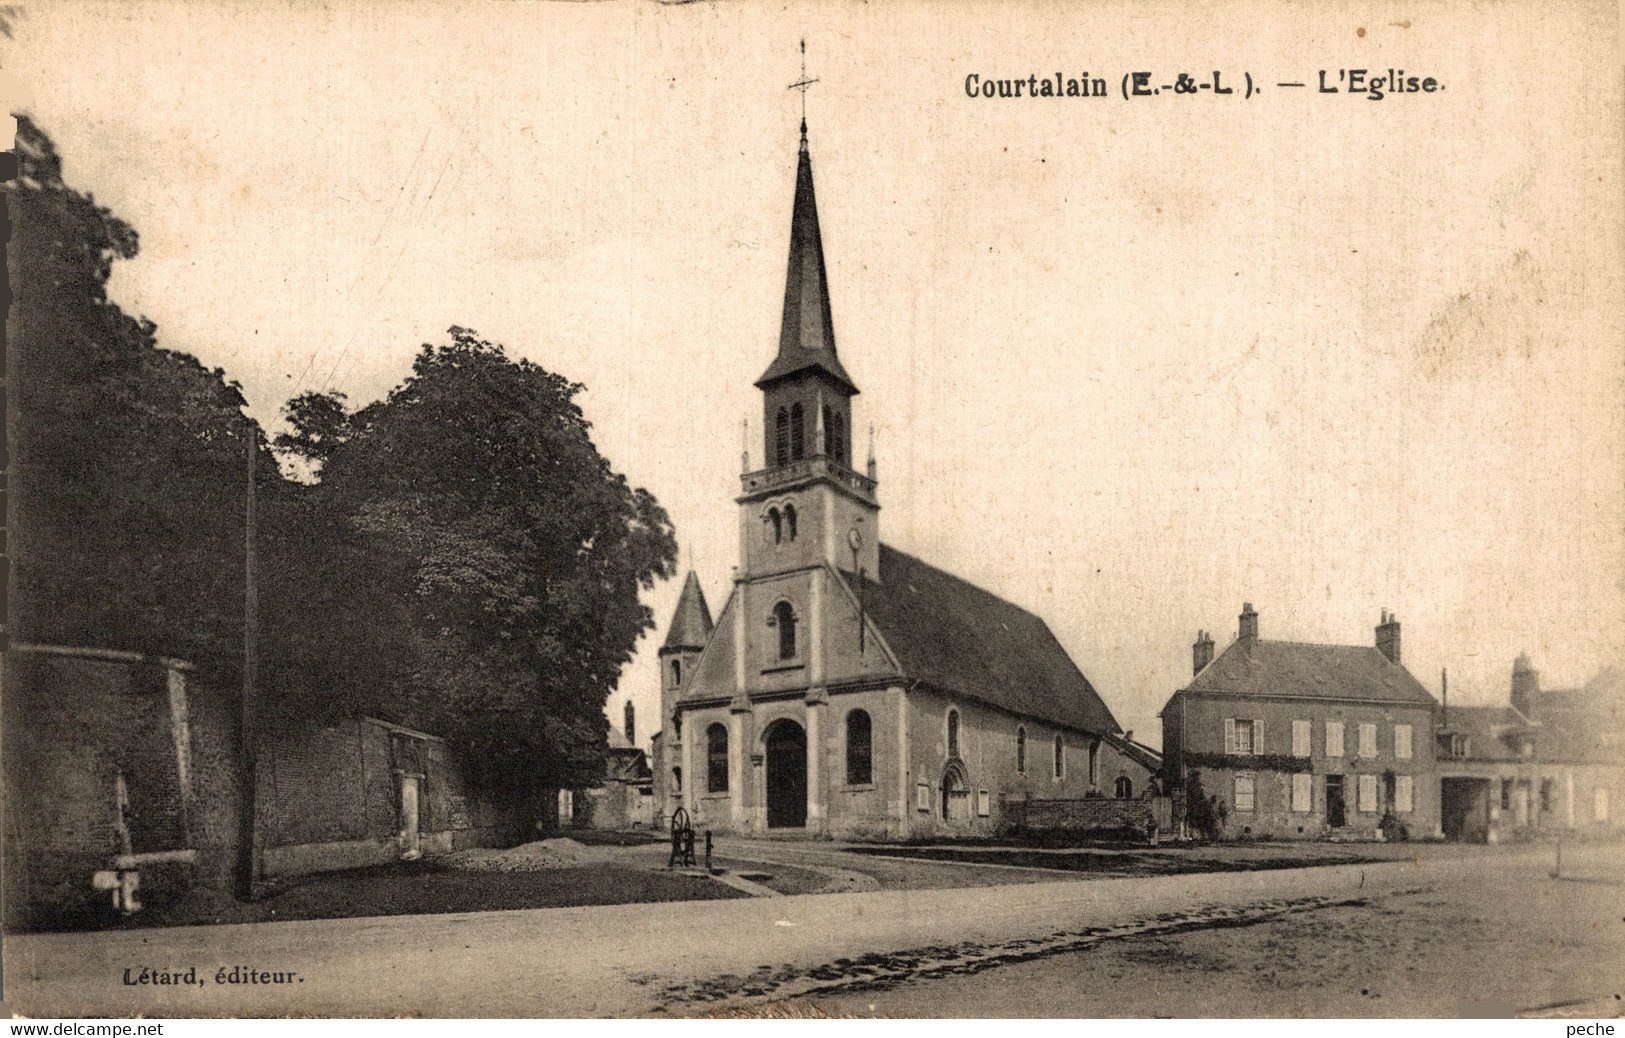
[684, 958]
[1505, 939]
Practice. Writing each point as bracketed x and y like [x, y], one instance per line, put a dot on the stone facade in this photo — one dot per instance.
[366, 792]
[113, 760]
[846, 688]
[1306, 741]
[122, 763]
[1549, 764]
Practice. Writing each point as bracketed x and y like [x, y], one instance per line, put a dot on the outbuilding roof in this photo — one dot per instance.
[1492, 732]
[1582, 724]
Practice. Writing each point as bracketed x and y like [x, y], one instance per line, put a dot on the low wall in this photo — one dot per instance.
[100, 760]
[330, 798]
[107, 753]
[1091, 814]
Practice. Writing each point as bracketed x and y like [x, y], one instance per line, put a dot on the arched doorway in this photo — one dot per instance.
[956, 806]
[786, 775]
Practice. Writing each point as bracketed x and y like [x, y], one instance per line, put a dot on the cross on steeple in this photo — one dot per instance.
[803, 84]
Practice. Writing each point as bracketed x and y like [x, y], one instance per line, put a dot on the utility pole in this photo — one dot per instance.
[248, 849]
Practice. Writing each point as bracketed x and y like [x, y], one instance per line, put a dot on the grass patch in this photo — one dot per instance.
[608, 838]
[417, 888]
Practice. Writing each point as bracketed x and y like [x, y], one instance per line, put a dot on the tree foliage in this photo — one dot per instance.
[465, 561]
[512, 555]
[129, 460]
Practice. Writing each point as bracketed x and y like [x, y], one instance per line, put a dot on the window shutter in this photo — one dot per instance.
[1303, 792]
[1368, 794]
[1258, 736]
[1229, 735]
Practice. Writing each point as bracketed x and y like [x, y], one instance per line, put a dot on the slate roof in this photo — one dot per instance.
[951, 634]
[626, 763]
[691, 624]
[1255, 667]
[806, 332]
[1581, 724]
[1493, 732]
[1601, 700]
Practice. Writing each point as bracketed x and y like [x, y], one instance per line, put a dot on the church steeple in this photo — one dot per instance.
[686, 638]
[806, 331]
[806, 505]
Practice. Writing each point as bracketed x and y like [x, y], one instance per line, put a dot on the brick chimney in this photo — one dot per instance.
[1525, 685]
[1201, 652]
[1248, 629]
[1388, 636]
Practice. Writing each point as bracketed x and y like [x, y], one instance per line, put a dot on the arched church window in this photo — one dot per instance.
[789, 522]
[676, 672]
[859, 749]
[716, 759]
[1125, 788]
[953, 733]
[1094, 763]
[1021, 750]
[677, 780]
[773, 526]
[798, 439]
[1060, 758]
[784, 618]
[781, 438]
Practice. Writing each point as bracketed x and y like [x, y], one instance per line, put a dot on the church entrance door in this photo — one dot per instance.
[786, 775]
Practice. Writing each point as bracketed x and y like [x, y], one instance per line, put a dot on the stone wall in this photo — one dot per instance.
[330, 798]
[1089, 814]
[79, 726]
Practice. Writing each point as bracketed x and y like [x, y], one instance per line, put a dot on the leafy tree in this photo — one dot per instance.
[128, 459]
[511, 557]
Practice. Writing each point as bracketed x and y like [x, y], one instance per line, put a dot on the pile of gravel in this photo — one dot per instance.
[557, 853]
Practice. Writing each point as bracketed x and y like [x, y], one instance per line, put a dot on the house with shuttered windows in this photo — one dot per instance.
[1306, 740]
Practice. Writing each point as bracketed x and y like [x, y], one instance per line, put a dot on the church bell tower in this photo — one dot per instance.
[807, 506]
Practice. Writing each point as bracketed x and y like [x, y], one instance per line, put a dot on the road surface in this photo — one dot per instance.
[685, 958]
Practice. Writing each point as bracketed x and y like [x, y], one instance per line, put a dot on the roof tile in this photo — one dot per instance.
[953, 635]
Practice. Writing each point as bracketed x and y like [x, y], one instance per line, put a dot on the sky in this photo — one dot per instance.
[1130, 363]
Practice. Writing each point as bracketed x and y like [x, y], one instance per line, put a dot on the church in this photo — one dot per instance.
[847, 688]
